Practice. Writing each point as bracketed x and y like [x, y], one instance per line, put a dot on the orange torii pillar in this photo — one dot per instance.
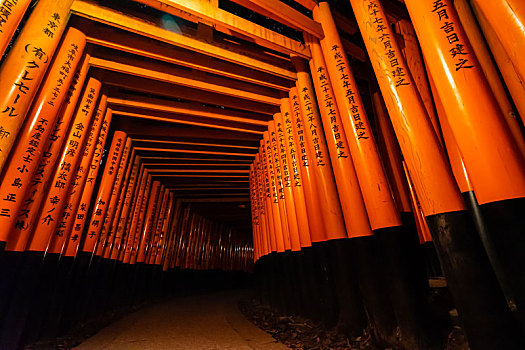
[112, 251]
[33, 139]
[491, 155]
[88, 262]
[72, 235]
[267, 195]
[34, 195]
[508, 72]
[119, 224]
[25, 66]
[56, 244]
[507, 18]
[452, 229]
[107, 267]
[106, 235]
[274, 218]
[282, 172]
[33, 279]
[145, 237]
[28, 214]
[265, 226]
[11, 13]
[405, 202]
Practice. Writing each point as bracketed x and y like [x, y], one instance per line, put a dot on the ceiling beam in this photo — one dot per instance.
[205, 11]
[284, 14]
[190, 109]
[113, 38]
[115, 18]
[184, 78]
[188, 120]
[149, 86]
[167, 131]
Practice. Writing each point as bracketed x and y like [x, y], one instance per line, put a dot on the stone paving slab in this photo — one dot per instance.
[211, 321]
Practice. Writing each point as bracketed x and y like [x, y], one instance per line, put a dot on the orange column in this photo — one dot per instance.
[11, 13]
[80, 210]
[106, 236]
[275, 174]
[25, 66]
[147, 229]
[156, 240]
[313, 206]
[507, 18]
[263, 211]
[515, 84]
[352, 203]
[165, 236]
[32, 141]
[267, 195]
[104, 193]
[492, 158]
[19, 235]
[283, 172]
[391, 155]
[426, 162]
[56, 195]
[410, 49]
[120, 222]
[489, 69]
[296, 178]
[334, 225]
[64, 230]
[273, 202]
[139, 202]
[454, 155]
[255, 212]
[372, 178]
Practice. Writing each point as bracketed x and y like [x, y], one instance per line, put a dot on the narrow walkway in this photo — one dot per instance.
[211, 321]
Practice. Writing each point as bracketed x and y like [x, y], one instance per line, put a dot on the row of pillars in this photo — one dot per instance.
[343, 203]
[85, 229]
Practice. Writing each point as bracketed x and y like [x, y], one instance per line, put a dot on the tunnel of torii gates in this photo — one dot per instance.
[376, 143]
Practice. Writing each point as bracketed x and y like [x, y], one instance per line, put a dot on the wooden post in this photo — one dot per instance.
[12, 13]
[25, 66]
[32, 141]
[453, 232]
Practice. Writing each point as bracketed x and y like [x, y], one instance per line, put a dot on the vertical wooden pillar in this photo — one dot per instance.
[104, 193]
[492, 158]
[120, 225]
[25, 66]
[29, 211]
[451, 227]
[64, 229]
[507, 18]
[55, 198]
[511, 77]
[267, 192]
[32, 142]
[106, 238]
[12, 13]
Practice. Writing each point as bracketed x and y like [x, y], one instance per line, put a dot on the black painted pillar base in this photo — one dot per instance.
[482, 307]
[420, 328]
[329, 314]
[505, 221]
[50, 323]
[352, 317]
[414, 253]
[43, 297]
[25, 290]
[376, 296]
[10, 263]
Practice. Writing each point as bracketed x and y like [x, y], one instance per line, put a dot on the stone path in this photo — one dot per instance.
[211, 321]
